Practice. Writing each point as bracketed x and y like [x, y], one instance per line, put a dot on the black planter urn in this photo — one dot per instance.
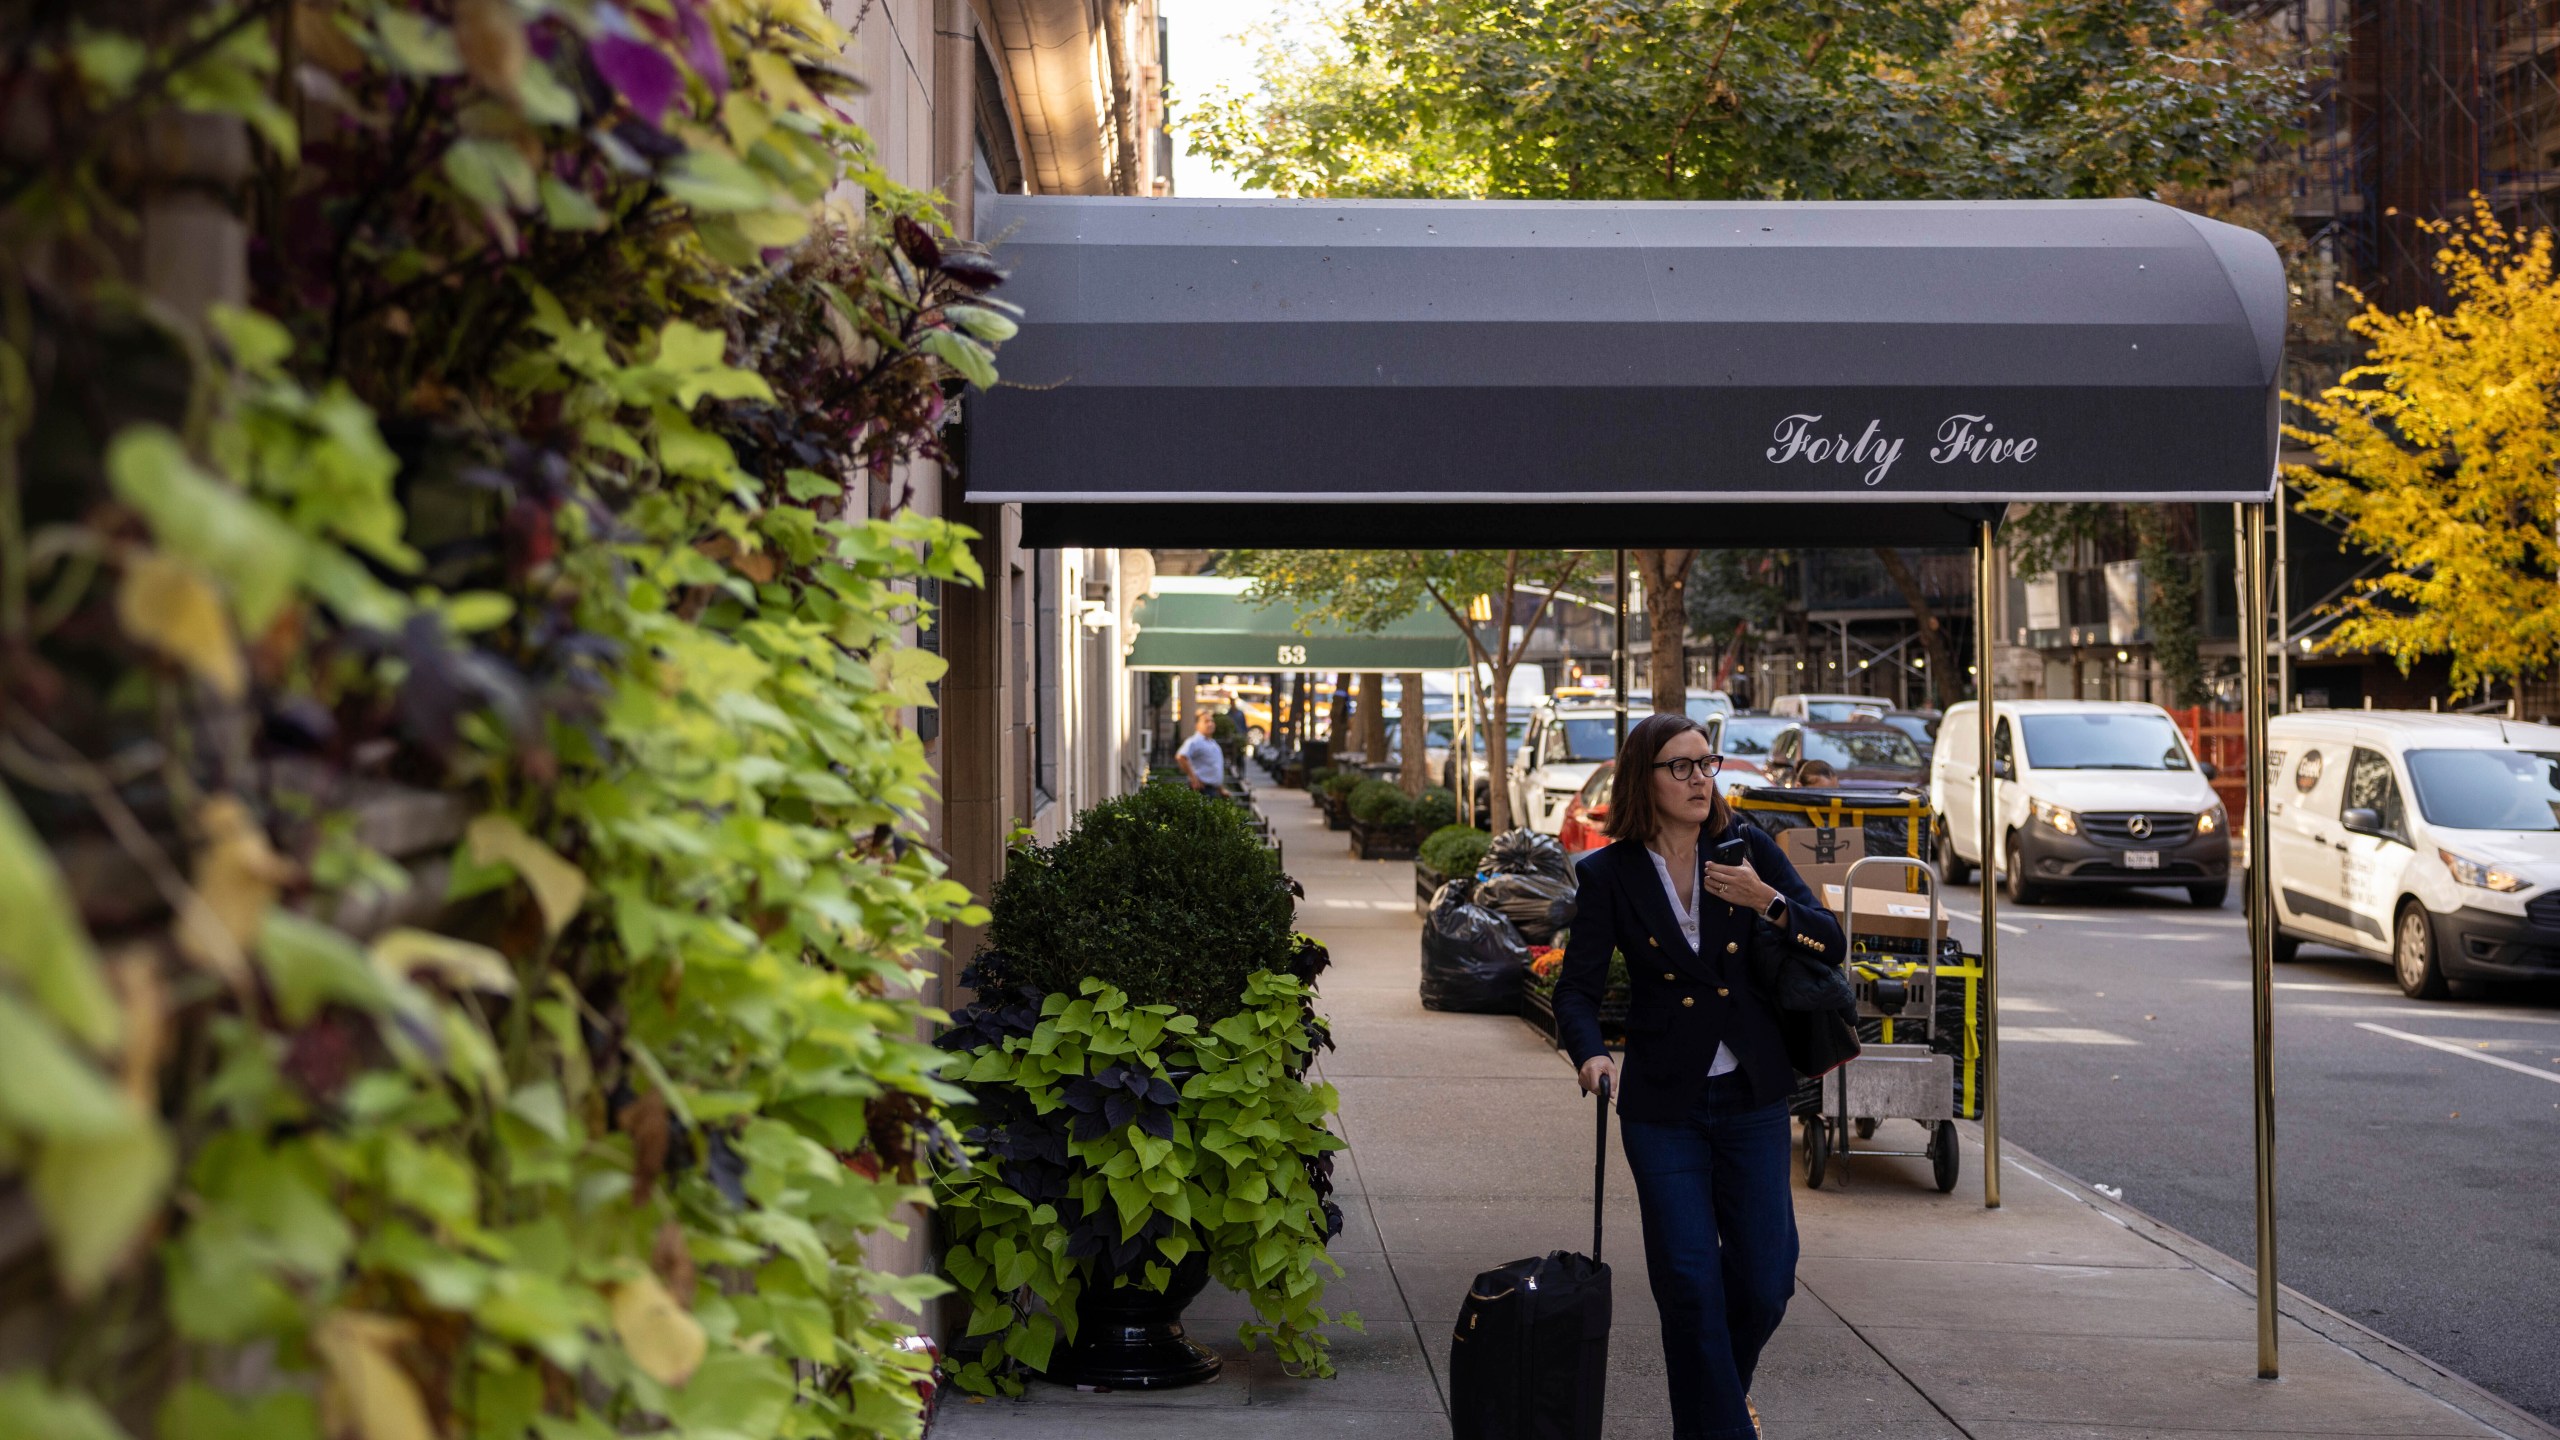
[1130, 1338]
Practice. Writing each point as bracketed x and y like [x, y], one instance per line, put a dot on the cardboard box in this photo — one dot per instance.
[1885, 907]
[1809, 846]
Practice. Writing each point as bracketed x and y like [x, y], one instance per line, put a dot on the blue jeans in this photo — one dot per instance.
[1719, 1245]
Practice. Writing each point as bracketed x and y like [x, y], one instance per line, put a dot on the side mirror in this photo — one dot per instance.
[2208, 769]
[2361, 821]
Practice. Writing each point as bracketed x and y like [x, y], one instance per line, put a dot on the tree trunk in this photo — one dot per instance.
[1416, 773]
[1666, 616]
[1371, 721]
[1497, 745]
[1933, 635]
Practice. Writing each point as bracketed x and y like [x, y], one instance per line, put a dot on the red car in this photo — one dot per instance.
[1583, 814]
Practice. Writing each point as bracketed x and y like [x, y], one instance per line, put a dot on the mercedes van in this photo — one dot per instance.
[2084, 792]
[2430, 841]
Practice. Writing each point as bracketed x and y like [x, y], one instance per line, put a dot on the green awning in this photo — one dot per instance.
[1194, 623]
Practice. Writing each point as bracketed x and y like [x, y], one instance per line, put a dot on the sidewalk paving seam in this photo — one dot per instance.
[1350, 1152]
[2370, 1346]
[1887, 1361]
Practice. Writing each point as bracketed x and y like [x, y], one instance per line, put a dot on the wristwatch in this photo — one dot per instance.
[1776, 913]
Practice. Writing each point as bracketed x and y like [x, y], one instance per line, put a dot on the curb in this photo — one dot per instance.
[2378, 1350]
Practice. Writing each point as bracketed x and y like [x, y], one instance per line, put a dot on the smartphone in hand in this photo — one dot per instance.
[1733, 851]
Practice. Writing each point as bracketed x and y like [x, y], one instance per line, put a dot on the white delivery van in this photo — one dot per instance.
[1817, 705]
[2432, 841]
[2085, 792]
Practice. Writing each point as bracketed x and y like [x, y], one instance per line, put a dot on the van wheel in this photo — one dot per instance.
[1950, 864]
[2413, 955]
[2209, 897]
[2013, 876]
[2287, 948]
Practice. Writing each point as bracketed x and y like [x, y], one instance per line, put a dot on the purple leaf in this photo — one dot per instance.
[702, 48]
[640, 72]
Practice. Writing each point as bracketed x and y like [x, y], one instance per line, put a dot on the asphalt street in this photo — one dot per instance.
[2416, 1177]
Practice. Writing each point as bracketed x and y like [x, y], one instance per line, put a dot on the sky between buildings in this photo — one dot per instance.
[1210, 48]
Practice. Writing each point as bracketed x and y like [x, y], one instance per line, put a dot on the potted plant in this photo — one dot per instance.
[1381, 821]
[1140, 1110]
[1447, 852]
[1334, 795]
[1538, 993]
[1316, 779]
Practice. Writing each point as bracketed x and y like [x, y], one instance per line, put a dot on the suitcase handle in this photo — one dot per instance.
[1600, 1170]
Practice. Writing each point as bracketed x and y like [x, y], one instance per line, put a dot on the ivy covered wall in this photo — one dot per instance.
[459, 846]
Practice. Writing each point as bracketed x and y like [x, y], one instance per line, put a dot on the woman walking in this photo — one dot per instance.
[1702, 1105]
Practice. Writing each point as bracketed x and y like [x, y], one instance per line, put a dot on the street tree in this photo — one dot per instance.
[1758, 100]
[2439, 452]
[1368, 590]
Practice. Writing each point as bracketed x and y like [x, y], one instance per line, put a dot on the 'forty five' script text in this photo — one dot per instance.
[1966, 438]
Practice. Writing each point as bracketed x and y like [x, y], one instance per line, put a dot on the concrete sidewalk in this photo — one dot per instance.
[2063, 1314]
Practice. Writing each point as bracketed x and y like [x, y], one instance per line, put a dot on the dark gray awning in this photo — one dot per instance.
[1406, 353]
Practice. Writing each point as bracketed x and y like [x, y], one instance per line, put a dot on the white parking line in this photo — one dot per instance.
[2177, 937]
[2412, 1012]
[2219, 984]
[2061, 1035]
[2447, 1046]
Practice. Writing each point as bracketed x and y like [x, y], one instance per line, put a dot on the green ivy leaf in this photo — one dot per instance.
[98, 1195]
[491, 174]
[564, 206]
[718, 184]
[44, 944]
[254, 555]
[197, 1411]
[963, 355]
[47, 1089]
[37, 1411]
[417, 45]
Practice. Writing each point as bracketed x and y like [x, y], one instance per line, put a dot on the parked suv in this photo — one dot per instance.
[1564, 743]
[2432, 841]
[2085, 792]
[1865, 752]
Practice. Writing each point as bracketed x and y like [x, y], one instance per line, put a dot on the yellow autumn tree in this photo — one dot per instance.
[2441, 453]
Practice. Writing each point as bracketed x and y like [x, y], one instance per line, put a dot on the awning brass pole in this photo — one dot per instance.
[2262, 951]
[1986, 803]
[1618, 654]
[2284, 608]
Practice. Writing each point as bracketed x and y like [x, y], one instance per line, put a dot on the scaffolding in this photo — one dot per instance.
[2423, 104]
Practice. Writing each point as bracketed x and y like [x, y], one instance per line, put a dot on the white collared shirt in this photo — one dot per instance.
[1688, 915]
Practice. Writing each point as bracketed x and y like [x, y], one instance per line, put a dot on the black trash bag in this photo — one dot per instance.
[1473, 961]
[1526, 852]
[1537, 905]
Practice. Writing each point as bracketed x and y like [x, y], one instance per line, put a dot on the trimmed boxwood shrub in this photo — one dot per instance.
[1166, 895]
[1342, 782]
[1434, 808]
[1380, 802]
[1455, 850]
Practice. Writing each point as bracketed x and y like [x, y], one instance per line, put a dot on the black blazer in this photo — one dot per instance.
[1680, 1004]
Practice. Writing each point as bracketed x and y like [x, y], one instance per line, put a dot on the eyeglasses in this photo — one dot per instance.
[1686, 769]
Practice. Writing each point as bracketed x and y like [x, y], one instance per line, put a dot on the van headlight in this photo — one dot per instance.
[2055, 817]
[2467, 871]
[2213, 821]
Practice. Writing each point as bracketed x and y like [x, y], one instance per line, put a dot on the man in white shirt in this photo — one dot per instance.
[1200, 759]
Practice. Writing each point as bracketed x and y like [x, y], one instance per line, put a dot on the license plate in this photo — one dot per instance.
[2142, 859]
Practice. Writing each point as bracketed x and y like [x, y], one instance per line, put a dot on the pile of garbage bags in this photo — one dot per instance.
[1475, 945]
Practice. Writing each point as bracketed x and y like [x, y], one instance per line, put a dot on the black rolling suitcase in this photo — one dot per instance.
[1530, 1360]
